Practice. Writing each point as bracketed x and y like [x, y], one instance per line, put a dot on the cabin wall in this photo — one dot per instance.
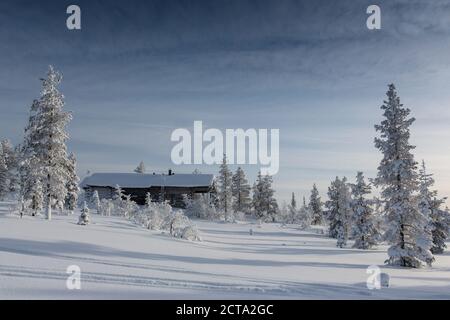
[172, 194]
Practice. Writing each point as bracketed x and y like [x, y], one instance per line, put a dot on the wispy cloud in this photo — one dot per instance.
[139, 69]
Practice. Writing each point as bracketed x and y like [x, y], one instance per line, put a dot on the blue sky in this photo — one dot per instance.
[140, 69]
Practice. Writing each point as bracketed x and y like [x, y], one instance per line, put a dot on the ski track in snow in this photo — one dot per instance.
[121, 260]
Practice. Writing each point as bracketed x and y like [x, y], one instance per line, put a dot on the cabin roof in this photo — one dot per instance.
[145, 180]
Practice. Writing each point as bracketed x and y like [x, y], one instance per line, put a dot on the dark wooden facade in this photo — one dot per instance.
[172, 194]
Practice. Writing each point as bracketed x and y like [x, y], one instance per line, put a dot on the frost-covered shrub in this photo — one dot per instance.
[179, 226]
[199, 206]
[157, 214]
[84, 217]
[161, 216]
[304, 217]
[241, 216]
[106, 207]
[191, 233]
[129, 208]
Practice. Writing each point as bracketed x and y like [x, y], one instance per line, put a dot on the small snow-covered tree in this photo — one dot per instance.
[84, 216]
[284, 214]
[315, 205]
[45, 143]
[406, 224]
[304, 216]
[199, 206]
[9, 162]
[264, 203]
[3, 177]
[430, 205]
[148, 199]
[339, 211]
[129, 207]
[72, 185]
[140, 168]
[96, 201]
[118, 195]
[365, 230]
[292, 210]
[240, 190]
[224, 192]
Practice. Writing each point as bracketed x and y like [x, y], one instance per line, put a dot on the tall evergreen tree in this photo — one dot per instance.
[45, 143]
[224, 189]
[430, 205]
[315, 205]
[292, 208]
[258, 200]
[365, 230]
[72, 184]
[264, 203]
[240, 191]
[406, 224]
[339, 211]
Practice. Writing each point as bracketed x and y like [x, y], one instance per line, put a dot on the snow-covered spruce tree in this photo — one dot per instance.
[332, 205]
[140, 168]
[213, 197]
[224, 192]
[339, 211]
[292, 210]
[344, 217]
[430, 205]
[72, 185]
[406, 224]
[240, 190]
[3, 177]
[284, 215]
[315, 205]
[304, 216]
[365, 230]
[264, 203]
[9, 162]
[45, 142]
[271, 203]
[84, 216]
[96, 201]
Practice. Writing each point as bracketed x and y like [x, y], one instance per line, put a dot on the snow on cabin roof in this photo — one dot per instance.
[142, 180]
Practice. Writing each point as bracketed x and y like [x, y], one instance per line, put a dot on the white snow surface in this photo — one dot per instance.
[120, 260]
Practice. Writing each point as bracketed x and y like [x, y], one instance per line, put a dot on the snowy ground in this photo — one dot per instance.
[119, 260]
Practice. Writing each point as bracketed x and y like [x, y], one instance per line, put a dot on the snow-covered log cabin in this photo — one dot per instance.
[171, 187]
